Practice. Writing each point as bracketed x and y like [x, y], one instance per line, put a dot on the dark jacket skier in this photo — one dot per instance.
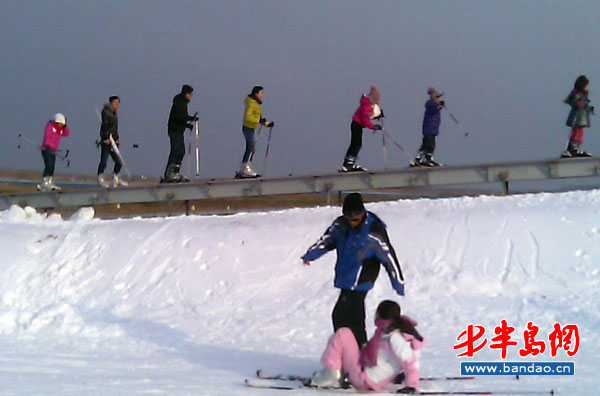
[179, 120]
[362, 244]
[108, 128]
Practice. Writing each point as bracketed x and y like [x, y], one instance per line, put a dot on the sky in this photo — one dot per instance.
[505, 68]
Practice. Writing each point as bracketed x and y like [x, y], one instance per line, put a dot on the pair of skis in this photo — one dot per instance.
[297, 382]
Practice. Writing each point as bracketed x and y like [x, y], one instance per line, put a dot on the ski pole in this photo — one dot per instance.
[255, 141]
[397, 145]
[385, 156]
[189, 156]
[456, 121]
[197, 149]
[267, 152]
[60, 153]
[116, 150]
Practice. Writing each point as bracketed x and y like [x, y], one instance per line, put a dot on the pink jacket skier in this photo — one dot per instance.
[54, 132]
[394, 349]
[367, 111]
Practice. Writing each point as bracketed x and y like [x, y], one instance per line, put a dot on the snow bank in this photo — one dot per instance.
[222, 296]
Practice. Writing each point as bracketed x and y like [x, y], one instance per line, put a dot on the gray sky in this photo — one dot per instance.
[505, 67]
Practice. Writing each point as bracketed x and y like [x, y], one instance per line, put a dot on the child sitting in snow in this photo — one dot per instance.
[394, 349]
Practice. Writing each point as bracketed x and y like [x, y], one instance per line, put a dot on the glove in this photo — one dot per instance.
[377, 128]
[195, 117]
[592, 110]
[263, 121]
[381, 115]
[189, 126]
[270, 124]
[442, 103]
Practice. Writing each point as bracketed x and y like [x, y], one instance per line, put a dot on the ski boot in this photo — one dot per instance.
[431, 162]
[172, 174]
[180, 178]
[407, 390]
[246, 171]
[327, 378]
[102, 182]
[351, 166]
[52, 186]
[119, 181]
[45, 184]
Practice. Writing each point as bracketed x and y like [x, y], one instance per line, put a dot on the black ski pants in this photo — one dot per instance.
[49, 162]
[349, 311]
[177, 149]
[105, 151]
[428, 145]
[356, 132]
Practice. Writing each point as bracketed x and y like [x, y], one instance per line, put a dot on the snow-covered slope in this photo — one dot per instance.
[193, 305]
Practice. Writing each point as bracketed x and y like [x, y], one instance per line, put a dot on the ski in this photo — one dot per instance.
[292, 385]
[299, 385]
[238, 176]
[292, 377]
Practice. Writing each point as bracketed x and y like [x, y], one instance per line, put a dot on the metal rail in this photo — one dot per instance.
[226, 188]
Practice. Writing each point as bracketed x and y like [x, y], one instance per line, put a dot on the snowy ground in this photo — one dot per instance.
[193, 305]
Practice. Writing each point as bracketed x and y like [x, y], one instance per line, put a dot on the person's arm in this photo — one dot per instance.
[323, 245]
[364, 113]
[387, 255]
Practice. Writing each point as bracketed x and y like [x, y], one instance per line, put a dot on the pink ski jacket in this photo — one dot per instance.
[364, 112]
[52, 135]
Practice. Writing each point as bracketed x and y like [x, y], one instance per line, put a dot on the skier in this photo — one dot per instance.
[393, 350]
[55, 130]
[362, 244]
[252, 119]
[431, 128]
[367, 111]
[179, 120]
[579, 117]
[110, 127]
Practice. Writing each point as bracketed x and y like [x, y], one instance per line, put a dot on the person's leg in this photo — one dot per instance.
[104, 150]
[349, 311]
[49, 162]
[342, 354]
[356, 133]
[117, 161]
[250, 143]
[175, 157]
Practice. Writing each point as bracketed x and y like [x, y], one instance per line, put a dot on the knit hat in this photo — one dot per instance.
[60, 119]
[186, 89]
[374, 94]
[433, 91]
[353, 205]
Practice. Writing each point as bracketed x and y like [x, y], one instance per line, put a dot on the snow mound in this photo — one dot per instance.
[224, 295]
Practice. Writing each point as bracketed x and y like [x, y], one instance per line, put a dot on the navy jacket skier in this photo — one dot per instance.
[431, 128]
[362, 245]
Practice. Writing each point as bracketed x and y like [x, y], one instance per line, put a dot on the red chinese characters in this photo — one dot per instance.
[472, 338]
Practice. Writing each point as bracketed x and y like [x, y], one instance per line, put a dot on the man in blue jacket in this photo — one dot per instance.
[431, 128]
[362, 245]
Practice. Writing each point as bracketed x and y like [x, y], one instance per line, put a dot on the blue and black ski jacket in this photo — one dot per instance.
[360, 252]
